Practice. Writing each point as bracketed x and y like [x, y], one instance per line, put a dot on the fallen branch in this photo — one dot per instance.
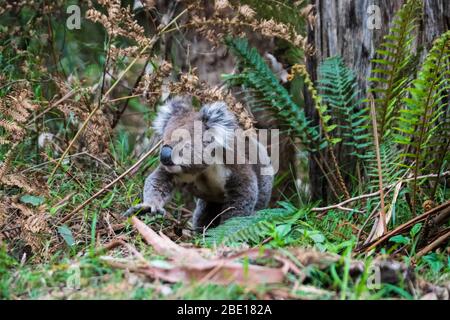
[367, 247]
[187, 264]
[432, 227]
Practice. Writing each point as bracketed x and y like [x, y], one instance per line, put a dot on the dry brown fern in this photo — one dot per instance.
[97, 135]
[235, 20]
[15, 111]
[28, 183]
[190, 84]
[150, 86]
[12, 128]
[118, 21]
[28, 224]
[75, 110]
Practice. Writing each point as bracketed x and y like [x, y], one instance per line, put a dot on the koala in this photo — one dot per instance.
[221, 190]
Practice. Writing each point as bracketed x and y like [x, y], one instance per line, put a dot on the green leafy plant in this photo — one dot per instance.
[339, 90]
[255, 228]
[420, 122]
[394, 65]
[412, 239]
[257, 76]
[389, 165]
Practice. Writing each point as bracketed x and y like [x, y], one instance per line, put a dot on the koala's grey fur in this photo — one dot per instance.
[226, 189]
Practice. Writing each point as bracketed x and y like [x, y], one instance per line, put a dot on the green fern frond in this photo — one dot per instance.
[322, 108]
[393, 66]
[439, 144]
[257, 76]
[440, 148]
[390, 168]
[339, 90]
[250, 229]
[423, 123]
[391, 172]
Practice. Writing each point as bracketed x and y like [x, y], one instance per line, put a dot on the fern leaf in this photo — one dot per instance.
[393, 66]
[391, 171]
[12, 127]
[423, 123]
[339, 90]
[257, 76]
[250, 229]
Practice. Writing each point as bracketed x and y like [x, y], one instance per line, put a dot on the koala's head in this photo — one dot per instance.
[191, 140]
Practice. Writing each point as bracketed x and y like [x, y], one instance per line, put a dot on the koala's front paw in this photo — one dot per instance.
[152, 208]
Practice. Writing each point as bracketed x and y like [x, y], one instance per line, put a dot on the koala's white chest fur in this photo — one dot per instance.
[209, 184]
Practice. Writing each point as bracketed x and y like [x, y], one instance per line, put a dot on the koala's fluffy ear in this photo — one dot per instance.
[172, 107]
[218, 118]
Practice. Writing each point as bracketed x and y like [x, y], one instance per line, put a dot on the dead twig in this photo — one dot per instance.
[382, 220]
[92, 113]
[211, 222]
[64, 98]
[432, 226]
[120, 112]
[109, 185]
[371, 215]
[119, 242]
[442, 208]
[377, 230]
[374, 194]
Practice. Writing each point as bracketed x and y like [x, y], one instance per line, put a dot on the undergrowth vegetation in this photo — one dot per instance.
[76, 106]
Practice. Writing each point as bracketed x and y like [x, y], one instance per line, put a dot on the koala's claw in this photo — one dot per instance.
[144, 208]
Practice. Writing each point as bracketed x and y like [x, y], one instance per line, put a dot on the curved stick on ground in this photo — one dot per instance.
[442, 208]
[436, 243]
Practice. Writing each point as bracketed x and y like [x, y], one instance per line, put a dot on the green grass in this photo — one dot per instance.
[66, 265]
[35, 279]
[39, 277]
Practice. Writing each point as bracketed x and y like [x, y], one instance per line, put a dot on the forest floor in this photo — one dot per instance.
[96, 254]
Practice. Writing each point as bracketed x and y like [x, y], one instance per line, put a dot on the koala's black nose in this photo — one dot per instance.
[166, 155]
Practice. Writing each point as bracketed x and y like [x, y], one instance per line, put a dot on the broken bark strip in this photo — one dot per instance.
[218, 271]
[186, 264]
